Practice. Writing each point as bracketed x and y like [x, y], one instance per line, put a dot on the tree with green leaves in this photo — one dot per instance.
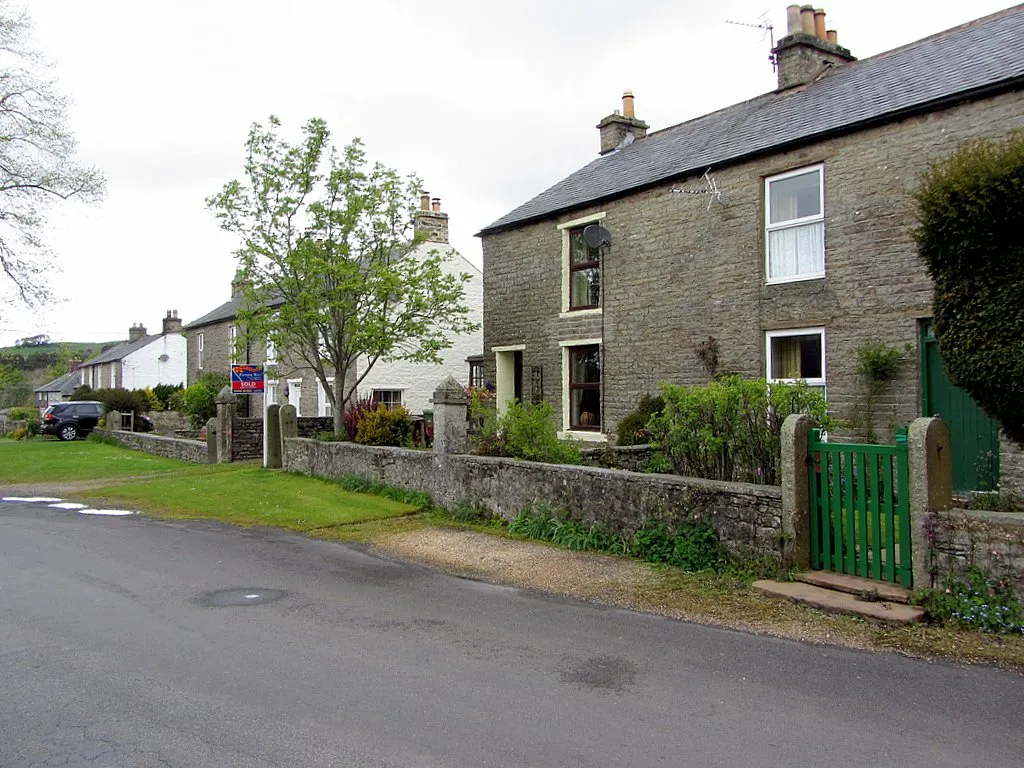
[36, 159]
[327, 259]
[970, 220]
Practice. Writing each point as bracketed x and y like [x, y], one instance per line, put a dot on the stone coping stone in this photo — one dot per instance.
[840, 602]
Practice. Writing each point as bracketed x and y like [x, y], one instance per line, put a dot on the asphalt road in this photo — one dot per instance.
[122, 644]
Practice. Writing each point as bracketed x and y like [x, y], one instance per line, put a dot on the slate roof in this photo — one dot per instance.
[121, 351]
[981, 56]
[226, 311]
[65, 384]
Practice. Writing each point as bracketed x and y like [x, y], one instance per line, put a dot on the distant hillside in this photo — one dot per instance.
[28, 358]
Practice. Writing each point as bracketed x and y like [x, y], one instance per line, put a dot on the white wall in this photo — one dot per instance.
[144, 368]
[419, 380]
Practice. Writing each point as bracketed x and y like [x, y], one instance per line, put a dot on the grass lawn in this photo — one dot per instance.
[40, 460]
[247, 495]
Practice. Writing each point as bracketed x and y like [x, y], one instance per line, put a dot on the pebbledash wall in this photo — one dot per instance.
[748, 518]
[194, 451]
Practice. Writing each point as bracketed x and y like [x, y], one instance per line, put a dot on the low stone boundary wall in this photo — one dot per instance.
[991, 541]
[310, 426]
[748, 518]
[172, 447]
[246, 438]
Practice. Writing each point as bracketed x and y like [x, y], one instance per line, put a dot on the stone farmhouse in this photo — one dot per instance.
[777, 231]
[145, 360]
[212, 344]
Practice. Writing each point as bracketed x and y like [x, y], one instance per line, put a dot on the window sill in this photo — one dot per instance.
[584, 436]
[808, 382]
[580, 312]
[795, 279]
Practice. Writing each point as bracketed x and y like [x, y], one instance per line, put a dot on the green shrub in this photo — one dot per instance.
[385, 427]
[22, 413]
[525, 431]
[165, 393]
[354, 414]
[358, 484]
[633, 429]
[971, 215]
[332, 437]
[19, 434]
[198, 401]
[731, 428]
[975, 601]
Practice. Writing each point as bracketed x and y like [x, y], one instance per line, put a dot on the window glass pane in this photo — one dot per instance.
[794, 197]
[796, 251]
[796, 357]
[586, 365]
[579, 251]
[585, 287]
[585, 408]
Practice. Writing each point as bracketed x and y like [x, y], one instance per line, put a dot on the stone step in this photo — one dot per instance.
[855, 585]
[840, 602]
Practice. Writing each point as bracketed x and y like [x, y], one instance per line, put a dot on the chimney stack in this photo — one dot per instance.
[621, 130]
[430, 221]
[172, 323]
[238, 284]
[136, 332]
[808, 50]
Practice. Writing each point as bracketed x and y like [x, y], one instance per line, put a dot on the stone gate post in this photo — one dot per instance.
[930, 463]
[450, 410]
[225, 423]
[272, 448]
[796, 532]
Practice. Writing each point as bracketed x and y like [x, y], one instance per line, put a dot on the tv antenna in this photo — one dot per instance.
[711, 189]
[765, 25]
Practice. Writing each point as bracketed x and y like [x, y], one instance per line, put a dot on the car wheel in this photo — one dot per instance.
[68, 432]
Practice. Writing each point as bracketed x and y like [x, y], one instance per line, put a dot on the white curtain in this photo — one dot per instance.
[796, 251]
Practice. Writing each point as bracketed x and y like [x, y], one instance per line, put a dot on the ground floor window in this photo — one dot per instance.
[390, 398]
[293, 393]
[795, 355]
[476, 371]
[324, 407]
[585, 387]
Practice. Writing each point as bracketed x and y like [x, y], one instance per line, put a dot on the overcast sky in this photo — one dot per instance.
[489, 103]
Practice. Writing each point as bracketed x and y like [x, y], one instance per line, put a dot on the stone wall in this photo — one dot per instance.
[746, 517]
[991, 541]
[247, 439]
[632, 457]
[168, 422]
[193, 451]
[677, 272]
[1011, 467]
[310, 426]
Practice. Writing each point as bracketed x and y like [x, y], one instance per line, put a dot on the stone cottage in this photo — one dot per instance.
[777, 231]
[145, 360]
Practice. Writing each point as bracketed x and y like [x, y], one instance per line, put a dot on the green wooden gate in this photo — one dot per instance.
[859, 509]
[975, 436]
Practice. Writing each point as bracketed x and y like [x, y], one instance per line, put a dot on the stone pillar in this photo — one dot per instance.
[114, 421]
[450, 409]
[212, 441]
[930, 462]
[289, 421]
[272, 447]
[225, 423]
[796, 532]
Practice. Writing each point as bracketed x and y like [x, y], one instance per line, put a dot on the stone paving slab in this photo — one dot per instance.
[855, 585]
[840, 602]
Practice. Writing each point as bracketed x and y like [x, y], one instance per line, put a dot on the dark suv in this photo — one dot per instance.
[70, 420]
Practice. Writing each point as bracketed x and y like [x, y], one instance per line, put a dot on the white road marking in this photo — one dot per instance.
[251, 597]
[68, 505]
[32, 499]
[107, 512]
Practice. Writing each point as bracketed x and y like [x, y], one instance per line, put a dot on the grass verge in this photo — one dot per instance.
[246, 495]
[44, 461]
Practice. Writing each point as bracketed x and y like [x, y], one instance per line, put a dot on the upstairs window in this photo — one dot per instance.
[584, 272]
[199, 341]
[795, 225]
[234, 344]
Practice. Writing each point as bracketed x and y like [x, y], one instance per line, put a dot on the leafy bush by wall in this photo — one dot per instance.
[524, 431]
[731, 428]
[633, 429]
[385, 427]
[971, 215]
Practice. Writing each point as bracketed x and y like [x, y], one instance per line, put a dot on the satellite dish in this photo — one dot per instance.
[596, 236]
[164, 358]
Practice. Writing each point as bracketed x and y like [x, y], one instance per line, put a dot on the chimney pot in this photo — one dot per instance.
[807, 19]
[424, 201]
[792, 19]
[819, 23]
[627, 104]
[435, 205]
[832, 37]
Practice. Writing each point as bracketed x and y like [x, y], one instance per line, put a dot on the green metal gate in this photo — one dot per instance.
[859, 509]
[975, 436]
